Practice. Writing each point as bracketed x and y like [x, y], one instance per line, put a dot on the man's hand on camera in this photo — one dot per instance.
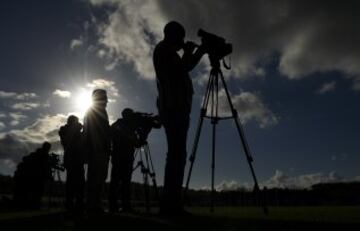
[190, 47]
[204, 46]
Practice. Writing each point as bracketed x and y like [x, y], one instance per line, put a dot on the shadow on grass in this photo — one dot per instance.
[60, 222]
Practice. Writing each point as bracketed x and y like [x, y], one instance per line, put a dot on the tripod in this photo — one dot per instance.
[212, 95]
[147, 170]
[55, 177]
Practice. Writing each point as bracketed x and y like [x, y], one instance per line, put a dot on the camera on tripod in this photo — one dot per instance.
[215, 46]
[55, 163]
[144, 123]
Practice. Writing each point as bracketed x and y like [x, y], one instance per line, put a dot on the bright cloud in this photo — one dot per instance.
[76, 43]
[249, 106]
[282, 180]
[62, 93]
[17, 96]
[16, 117]
[25, 106]
[130, 35]
[107, 85]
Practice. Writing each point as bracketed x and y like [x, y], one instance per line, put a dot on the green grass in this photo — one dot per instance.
[344, 214]
[224, 218]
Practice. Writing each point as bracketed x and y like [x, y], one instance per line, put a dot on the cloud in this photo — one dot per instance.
[17, 100]
[41, 130]
[2, 115]
[17, 143]
[7, 166]
[16, 117]
[17, 96]
[326, 87]
[308, 37]
[25, 106]
[62, 94]
[2, 126]
[231, 185]
[282, 180]
[249, 106]
[339, 157]
[107, 85]
[130, 34]
[100, 2]
[76, 43]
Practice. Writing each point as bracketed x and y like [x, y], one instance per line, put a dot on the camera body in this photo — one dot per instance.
[54, 162]
[215, 46]
[144, 123]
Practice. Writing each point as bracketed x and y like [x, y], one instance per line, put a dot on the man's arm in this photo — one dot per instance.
[190, 58]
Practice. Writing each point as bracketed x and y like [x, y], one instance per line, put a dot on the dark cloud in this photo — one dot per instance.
[309, 36]
[2, 126]
[11, 148]
[326, 87]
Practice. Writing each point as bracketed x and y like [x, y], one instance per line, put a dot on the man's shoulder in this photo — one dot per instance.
[117, 123]
[160, 45]
[63, 129]
[161, 48]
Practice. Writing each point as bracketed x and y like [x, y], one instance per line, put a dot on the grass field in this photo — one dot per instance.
[224, 218]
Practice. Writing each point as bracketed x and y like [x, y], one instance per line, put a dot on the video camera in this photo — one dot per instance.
[215, 46]
[54, 162]
[144, 122]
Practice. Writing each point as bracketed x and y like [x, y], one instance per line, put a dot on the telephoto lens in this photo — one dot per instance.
[215, 46]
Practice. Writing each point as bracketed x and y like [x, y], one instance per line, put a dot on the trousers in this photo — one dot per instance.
[97, 172]
[176, 128]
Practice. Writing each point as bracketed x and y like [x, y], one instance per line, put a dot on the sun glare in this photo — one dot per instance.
[83, 102]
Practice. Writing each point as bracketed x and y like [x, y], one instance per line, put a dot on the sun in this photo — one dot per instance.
[83, 101]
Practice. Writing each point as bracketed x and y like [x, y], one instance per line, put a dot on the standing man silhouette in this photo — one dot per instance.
[30, 178]
[71, 138]
[174, 104]
[97, 143]
[124, 142]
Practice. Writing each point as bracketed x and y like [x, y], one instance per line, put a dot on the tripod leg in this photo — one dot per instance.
[50, 198]
[243, 141]
[147, 173]
[214, 121]
[152, 173]
[198, 129]
[61, 199]
[213, 166]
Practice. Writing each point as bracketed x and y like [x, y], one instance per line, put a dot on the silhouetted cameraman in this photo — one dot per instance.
[30, 177]
[97, 144]
[174, 104]
[71, 140]
[128, 133]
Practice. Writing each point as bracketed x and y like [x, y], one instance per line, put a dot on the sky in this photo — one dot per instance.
[295, 81]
